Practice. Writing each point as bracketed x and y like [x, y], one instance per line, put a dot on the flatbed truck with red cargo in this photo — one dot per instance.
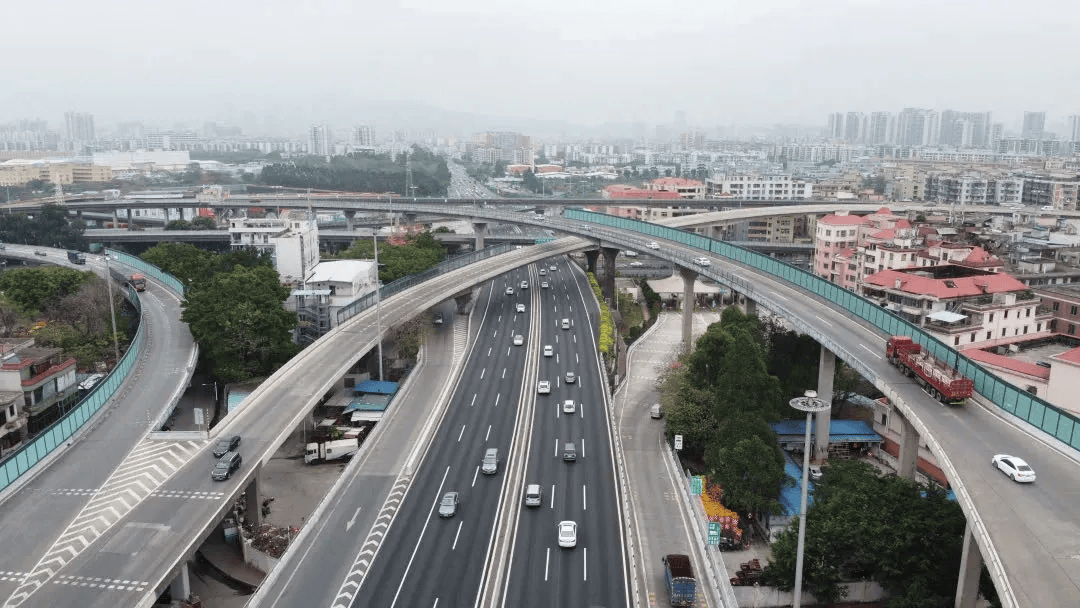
[944, 383]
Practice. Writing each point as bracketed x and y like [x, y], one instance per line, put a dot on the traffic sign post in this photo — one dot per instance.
[714, 534]
[697, 484]
[678, 442]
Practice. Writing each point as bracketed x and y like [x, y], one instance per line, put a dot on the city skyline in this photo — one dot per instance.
[565, 63]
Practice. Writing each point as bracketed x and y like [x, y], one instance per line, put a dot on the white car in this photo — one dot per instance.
[543, 272]
[653, 245]
[702, 261]
[571, 378]
[544, 285]
[524, 284]
[553, 268]
[567, 534]
[1013, 467]
[636, 264]
[543, 387]
[568, 407]
[548, 350]
[509, 291]
[520, 308]
[519, 340]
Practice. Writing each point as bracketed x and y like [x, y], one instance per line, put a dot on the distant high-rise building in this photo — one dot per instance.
[1034, 123]
[319, 142]
[918, 127]
[880, 129]
[1074, 128]
[997, 133]
[836, 126]
[965, 129]
[80, 126]
[855, 127]
[363, 137]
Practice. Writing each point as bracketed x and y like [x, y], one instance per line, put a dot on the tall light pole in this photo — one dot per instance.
[112, 310]
[378, 299]
[811, 405]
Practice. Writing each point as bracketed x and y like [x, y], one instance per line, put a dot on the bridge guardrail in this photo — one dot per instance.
[148, 269]
[1034, 410]
[361, 304]
[56, 434]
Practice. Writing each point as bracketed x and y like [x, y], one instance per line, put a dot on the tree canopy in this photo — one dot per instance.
[362, 172]
[417, 254]
[863, 525]
[238, 319]
[31, 289]
[50, 228]
[192, 265]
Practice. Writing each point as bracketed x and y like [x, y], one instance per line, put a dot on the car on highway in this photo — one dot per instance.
[548, 350]
[636, 264]
[655, 412]
[39, 252]
[566, 323]
[225, 466]
[544, 285]
[568, 406]
[524, 284]
[520, 308]
[490, 464]
[567, 534]
[226, 444]
[652, 245]
[543, 272]
[570, 378]
[509, 291]
[543, 387]
[519, 340]
[702, 261]
[533, 495]
[448, 505]
[1014, 468]
[553, 268]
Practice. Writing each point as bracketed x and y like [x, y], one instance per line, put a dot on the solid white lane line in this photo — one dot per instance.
[454, 546]
[438, 495]
[461, 433]
[584, 505]
[547, 563]
[488, 434]
[823, 321]
[870, 351]
[552, 503]
[585, 571]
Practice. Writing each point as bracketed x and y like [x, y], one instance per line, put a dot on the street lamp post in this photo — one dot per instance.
[378, 300]
[112, 309]
[811, 405]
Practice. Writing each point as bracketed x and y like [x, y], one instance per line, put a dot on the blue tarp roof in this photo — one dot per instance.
[235, 398]
[839, 430]
[376, 387]
[791, 496]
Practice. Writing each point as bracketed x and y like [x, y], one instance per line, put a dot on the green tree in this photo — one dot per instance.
[30, 289]
[751, 471]
[238, 319]
[419, 253]
[51, 228]
[182, 260]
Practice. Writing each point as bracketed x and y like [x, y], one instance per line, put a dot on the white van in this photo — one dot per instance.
[533, 496]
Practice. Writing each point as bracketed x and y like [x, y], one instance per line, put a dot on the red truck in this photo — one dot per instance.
[940, 380]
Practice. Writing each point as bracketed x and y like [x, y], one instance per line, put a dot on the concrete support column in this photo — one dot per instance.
[463, 301]
[180, 588]
[909, 449]
[590, 260]
[130, 218]
[971, 563]
[219, 213]
[180, 214]
[115, 218]
[607, 286]
[253, 502]
[479, 229]
[350, 215]
[826, 370]
[689, 277]
[749, 306]
[410, 218]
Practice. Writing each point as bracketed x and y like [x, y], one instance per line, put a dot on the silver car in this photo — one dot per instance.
[448, 506]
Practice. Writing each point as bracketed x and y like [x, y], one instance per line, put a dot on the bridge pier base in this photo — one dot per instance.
[743, 301]
[350, 215]
[591, 256]
[115, 218]
[131, 217]
[909, 450]
[479, 229]
[689, 277]
[607, 287]
[826, 371]
[464, 302]
[180, 588]
[410, 218]
[253, 500]
[971, 564]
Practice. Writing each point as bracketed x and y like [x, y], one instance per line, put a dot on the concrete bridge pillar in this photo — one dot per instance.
[479, 229]
[253, 500]
[744, 302]
[971, 563]
[410, 217]
[115, 218]
[909, 450]
[180, 588]
[689, 277]
[220, 214]
[130, 218]
[590, 260]
[464, 302]
[350, 215]
[607, 287]
[826, 371]
[180, 214]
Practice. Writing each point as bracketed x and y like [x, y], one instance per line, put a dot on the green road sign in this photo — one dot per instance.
[714, 533]
[697, 484]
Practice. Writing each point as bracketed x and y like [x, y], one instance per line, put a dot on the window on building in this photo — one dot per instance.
[1003, 332]
[988, 335]
[1072, 329]
[1038, 327]
[1072, 310]
[1025, 329]
[1006, 314]
[991, 317]
[956, 341]
[1054, 307]
[972, 336]
[1028, 312]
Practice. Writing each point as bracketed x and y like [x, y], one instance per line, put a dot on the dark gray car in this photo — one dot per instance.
[226, 444]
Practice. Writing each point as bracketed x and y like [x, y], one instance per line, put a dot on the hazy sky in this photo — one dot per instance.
[583, 61]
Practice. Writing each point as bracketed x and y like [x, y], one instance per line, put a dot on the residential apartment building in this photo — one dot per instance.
[759, 187]
[292, 240]
[1034, 123]
[319, 140]
[686, 188]
[35, 382]
[331, 286]
[963, 307]
[835, 239]
[1057, 191]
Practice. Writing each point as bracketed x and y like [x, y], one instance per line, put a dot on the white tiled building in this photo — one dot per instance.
[292, 240]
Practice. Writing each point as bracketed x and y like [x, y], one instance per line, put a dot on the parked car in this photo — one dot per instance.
[448, 506]
[655, 411]
[567, 534]
[226, 444]
[1014, 468]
